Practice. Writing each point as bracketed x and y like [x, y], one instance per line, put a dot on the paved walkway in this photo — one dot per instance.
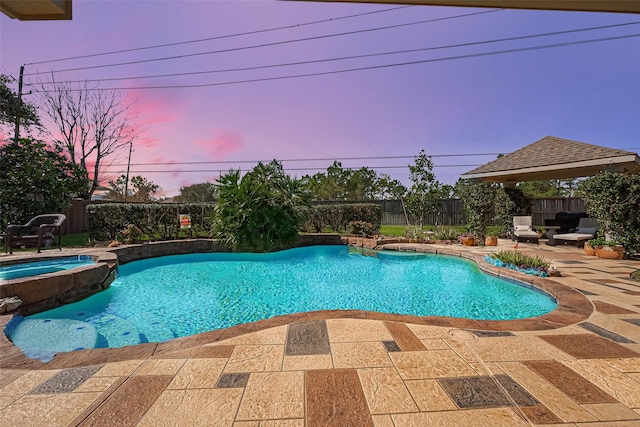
[579, 366]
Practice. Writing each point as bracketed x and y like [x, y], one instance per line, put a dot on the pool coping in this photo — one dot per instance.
[573, 307]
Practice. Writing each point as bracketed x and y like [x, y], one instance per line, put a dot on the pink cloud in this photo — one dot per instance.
[154, 107]
[220, 146]
[147, 142]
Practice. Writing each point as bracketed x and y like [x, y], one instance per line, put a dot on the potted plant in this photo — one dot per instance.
[491, 241]
[593, 244]
[467, 239]
[611, 249]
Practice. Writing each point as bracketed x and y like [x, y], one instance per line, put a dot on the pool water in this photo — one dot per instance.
[35, 268]
[159, 299]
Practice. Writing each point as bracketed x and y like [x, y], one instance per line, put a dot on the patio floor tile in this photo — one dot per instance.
[46, 410]
[353, 330]
[233, 381]
[198, 373]
[607, 308]
[588, 346]
[385, 391]
[129, 403]
[495, 417]
[539, 414]
[485, 392]
[430, 364]
[406, 340]
[201, 407]
[273, 395]
[619, 385]
[66, 380]
[569, 382]
[306, 363]
[360, 355]
[611, 411]
[505, 349]
[561, 405]
[255, 358]
[307, 338]
[335, 398]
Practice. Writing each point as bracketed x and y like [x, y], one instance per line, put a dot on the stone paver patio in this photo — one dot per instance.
[579, 365]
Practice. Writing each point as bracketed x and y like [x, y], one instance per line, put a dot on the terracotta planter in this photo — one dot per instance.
[491, 241]
[608, 252]
[590, 250]
[468, 241]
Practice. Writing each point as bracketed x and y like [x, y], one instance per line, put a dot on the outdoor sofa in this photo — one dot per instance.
[586, 230]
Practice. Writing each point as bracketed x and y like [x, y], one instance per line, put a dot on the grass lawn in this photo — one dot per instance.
[75, 240]
[398, 230]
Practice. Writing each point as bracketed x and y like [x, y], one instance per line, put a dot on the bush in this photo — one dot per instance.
[614, 200]
[35, 179]
[521, 260]
[337, 217]
[362, 228]
[260, 211]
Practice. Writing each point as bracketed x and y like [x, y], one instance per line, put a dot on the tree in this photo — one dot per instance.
[614, 200]
[139, 190]
[196, 193]
[330, 186]
[387, 188]
[13, 109]
[93, 124]
[261, 211]
[425, 192]
[35, 179]
[349, 184]
[479, 201]
[548, 188]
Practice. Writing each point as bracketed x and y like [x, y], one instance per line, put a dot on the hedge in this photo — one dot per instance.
[160, 220]
[156, 220]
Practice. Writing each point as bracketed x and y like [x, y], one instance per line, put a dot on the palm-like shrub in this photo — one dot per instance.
[260, 211]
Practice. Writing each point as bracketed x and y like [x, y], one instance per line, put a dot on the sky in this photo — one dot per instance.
[457, 95]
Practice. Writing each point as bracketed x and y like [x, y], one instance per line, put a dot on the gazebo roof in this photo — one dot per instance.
[555, 158]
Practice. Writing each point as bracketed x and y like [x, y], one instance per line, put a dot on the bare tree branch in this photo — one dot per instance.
[93, 125]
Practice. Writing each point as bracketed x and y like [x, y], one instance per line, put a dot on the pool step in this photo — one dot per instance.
[116, 331]
[42, 338]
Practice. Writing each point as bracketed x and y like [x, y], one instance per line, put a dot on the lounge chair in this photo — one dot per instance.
[36, 232]
[523, 230]
[587, 228]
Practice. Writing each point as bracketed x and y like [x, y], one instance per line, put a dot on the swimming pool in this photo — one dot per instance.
[36, 268]
[159, 299]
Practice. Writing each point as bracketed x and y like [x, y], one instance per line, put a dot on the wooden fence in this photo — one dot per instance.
[77, 219]
[393, 213]
[452, 211]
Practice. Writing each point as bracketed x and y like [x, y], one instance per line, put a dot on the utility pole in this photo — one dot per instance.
[16, 135]
[126, 181]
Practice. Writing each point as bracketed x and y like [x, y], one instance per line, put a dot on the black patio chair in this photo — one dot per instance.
[36, 232]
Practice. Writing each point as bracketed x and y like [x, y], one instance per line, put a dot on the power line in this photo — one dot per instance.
[373, 67]
[188, 55]
[287, 169]
[305, 160]
[354, 56]
[286, 27]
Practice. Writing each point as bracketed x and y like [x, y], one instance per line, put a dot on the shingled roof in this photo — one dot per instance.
[555, 158]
